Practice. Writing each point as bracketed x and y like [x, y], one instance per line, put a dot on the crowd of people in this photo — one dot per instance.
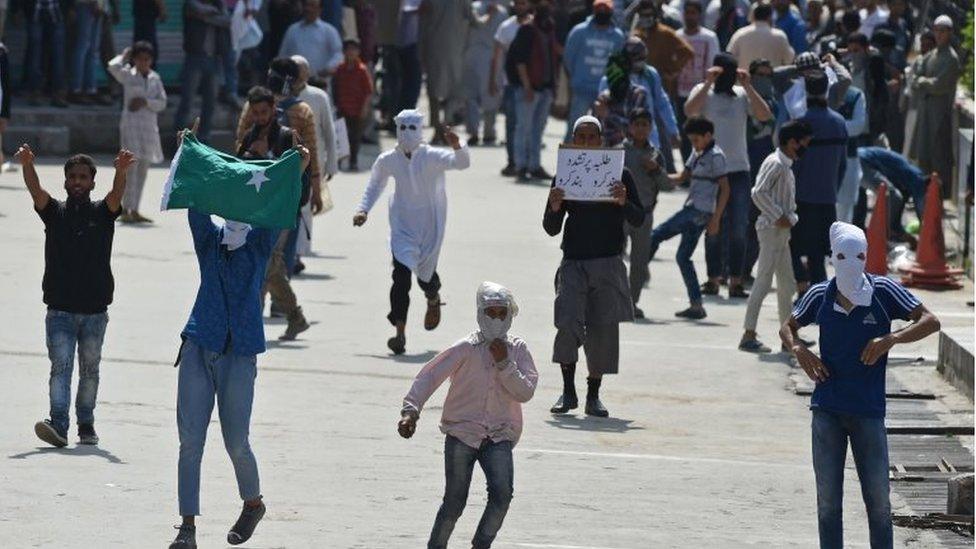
[778, 119]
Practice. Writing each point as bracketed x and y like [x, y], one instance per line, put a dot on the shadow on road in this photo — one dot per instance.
[80, 450]
[313, 276]
[596, 424]
[418, 358]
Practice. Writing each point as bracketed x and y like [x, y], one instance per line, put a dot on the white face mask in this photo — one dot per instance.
[849, 241]
[234, 234]
[494, 328]
[409, 125]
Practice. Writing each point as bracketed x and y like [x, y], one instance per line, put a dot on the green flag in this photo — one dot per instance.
[263, 193]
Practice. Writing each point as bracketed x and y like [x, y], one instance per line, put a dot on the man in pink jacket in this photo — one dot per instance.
[491, 374]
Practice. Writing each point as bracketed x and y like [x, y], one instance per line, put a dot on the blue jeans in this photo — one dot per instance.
[725, 253]
[511, 116]
[831, 431]
[580, 103]
[688, 222]
[85, 55]
[65, 332]
[459, 459]
[198, 69]
[229, 68]
[530, 122]
[204, 374]
[42, 33]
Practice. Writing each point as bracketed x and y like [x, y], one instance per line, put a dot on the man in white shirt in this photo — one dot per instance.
[774, 195]
[313, 39]
[418, 214]
[325, 149]
[504, 37]
[704, 42]
[761, 41]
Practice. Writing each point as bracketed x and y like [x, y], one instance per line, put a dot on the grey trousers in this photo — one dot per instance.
[135, 181]
[592, 298]
[774, 258]
[276, 278]
[640, 253]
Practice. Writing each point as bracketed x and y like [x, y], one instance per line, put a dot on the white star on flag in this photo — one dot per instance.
[257, 178]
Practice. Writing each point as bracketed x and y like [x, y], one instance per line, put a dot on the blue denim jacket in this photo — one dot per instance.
[226, 316]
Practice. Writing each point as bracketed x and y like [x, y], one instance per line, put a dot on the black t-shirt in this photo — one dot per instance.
[77, 256]
[521, 51]
[595, 229]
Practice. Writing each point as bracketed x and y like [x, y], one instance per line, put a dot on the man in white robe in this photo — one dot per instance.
[325, 150]
[418, 212]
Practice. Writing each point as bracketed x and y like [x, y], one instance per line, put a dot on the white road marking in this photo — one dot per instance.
[661, 457]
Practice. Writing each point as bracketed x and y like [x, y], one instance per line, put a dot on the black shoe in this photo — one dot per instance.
[277, 311]
[86, 434]
[638, 313]
[397, 344]
[737, 291]
[565, 404]
[523, 176]
[473, 141]
[754, 346]
[692, 313]
[489, 141]
[709, 288]
[540, 173]
[45, 431]
[246, 523]
[596, 408]
[299, 267]
[509, 171]
[186, 538]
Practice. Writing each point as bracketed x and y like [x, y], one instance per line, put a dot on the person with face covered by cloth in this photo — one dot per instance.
[729, 107]
[418, 214]
[592, 290]
[78, 285]
[492, 374]
[789, 83]
[218, 354]
[818, 173]
[854, 311]
[614, 105]
[666, 51]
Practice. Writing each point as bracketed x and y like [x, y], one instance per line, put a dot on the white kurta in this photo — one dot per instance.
[418, 206]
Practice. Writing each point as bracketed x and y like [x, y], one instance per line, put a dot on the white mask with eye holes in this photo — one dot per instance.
[849, 250]
[409, 125]
[491, 294]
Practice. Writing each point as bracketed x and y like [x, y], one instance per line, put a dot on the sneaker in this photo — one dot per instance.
[186, 538]
[523, 176]
[296, 325]
[299, 267]
[737, 291]
[754, 346]
[246, 523]
[638, 313]
[397, 344]
[509, 171]
[45, 431]
[692, 313]
[709, 288]
[86, 434]
[540, 173]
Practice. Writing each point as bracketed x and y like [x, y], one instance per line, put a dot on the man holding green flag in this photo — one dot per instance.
[225, 332]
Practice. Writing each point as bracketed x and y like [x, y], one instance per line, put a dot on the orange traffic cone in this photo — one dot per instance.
[930, 269]
[877, 262]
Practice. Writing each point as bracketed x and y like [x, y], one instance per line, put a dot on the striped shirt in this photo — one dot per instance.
[896, 300]
[775, 189]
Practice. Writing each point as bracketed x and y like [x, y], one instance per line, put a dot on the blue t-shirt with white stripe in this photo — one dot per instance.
[853, 387]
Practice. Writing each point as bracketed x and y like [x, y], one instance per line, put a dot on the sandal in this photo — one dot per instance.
[433, 317]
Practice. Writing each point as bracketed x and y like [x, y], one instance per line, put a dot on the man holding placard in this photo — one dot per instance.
[595, 195]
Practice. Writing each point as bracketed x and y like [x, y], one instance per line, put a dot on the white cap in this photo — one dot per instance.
[587, 119]
[943, 21]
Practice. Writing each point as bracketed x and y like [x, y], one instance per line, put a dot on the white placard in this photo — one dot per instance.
[588, 174]
[342, 138]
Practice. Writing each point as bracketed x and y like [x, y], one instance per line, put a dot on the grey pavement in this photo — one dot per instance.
[707, 447]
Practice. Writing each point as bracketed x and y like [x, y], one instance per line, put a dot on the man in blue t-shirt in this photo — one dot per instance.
[854, 312]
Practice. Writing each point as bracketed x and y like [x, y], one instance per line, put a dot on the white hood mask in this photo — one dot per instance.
[849, 240]
[234, 234]
[409, 126]
[495, 295]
